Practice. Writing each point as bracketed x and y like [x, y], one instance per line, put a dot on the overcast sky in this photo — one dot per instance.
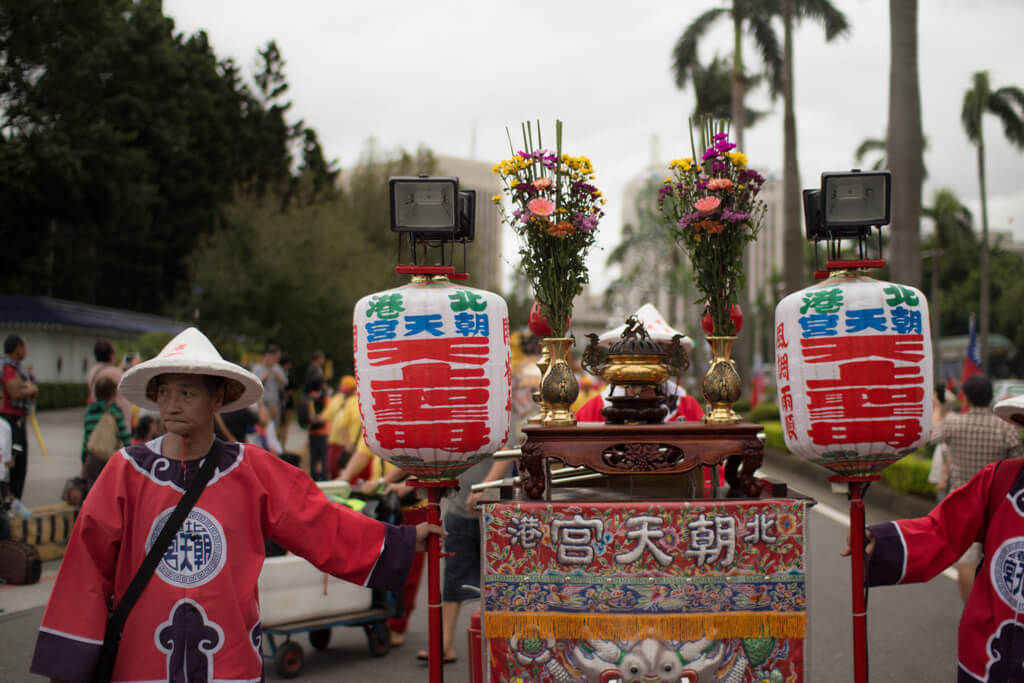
[452, 75]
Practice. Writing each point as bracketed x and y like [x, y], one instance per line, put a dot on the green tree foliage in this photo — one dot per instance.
[960, 276]
[1007, 104]
[749, 17]
[120, 144]
[293, 277]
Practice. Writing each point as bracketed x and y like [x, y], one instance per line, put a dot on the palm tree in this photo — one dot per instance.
[870, 146]
[905, 143]
[953, 235]
[1008, 104]
[748, 16]
[835, 24]
[712, 85]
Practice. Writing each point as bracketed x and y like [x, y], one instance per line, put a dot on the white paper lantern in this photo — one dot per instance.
[853, 364]
[434, 375]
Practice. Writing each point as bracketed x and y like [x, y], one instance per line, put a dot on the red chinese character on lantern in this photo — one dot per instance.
[894, 433]
[780, 336]
[783, 371]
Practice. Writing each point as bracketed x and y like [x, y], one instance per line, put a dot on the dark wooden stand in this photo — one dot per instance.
[670, 448]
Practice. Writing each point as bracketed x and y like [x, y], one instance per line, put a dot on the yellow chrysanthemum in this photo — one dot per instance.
[738, 159]
[496, 198]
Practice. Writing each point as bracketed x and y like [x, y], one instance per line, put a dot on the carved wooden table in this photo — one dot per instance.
[670, 448]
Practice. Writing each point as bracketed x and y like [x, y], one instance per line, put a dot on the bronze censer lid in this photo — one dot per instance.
[638, 366]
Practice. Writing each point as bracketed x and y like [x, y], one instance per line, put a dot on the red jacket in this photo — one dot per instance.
[198, 618]
[988, 509]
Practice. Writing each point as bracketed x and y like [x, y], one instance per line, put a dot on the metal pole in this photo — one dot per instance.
[860, 621]
[436, 633]
[435, 661]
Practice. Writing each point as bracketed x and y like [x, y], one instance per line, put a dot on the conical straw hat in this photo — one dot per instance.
[1012, 410]
[191, 353]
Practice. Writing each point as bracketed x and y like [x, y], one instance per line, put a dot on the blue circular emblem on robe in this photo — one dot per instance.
[197, 552]
[1007, 573]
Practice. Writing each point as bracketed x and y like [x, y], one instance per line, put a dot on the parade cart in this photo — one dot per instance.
[297, 598]
[601, 575]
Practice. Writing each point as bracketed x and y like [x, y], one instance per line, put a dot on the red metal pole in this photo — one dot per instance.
[860, 621]
[436, 634]
[435, 646]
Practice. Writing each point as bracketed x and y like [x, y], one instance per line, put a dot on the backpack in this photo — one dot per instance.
[302, 409]
[104, 440]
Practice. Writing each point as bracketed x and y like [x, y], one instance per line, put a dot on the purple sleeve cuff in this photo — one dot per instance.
[888, 560]
[64, 658]
[393, 564]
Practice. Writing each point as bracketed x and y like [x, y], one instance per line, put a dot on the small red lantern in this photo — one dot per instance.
[735, 314]
[538, 324]
[434, 375]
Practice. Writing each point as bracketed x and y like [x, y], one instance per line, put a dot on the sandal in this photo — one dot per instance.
[424, 656]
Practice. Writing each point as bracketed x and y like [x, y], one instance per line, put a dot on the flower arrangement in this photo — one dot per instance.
[713, 212]
[556, 212]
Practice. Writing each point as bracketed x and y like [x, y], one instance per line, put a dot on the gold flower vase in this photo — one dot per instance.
[558, 386]
[722, 385]
[542, 365]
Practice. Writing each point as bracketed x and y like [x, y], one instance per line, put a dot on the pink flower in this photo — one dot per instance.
[720, 184]
[705, 205]
[542, 183]
[545, 207]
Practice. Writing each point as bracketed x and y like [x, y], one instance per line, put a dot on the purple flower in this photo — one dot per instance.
[724, 146]
[734, 216]
[721, 136]
[524, 187]
[688, 218]
[589, 224]
[709, 153]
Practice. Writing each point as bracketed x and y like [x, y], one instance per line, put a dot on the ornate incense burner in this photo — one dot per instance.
[638, 366]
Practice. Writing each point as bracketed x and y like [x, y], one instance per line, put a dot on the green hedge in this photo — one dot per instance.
[773, 435]
[765, 412]
[910, 475]
[53, 395]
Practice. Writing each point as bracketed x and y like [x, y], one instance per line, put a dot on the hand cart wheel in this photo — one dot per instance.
[378, 637]
[289, 659]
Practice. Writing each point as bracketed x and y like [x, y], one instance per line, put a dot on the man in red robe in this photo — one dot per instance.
[198, 618]
[988, 509]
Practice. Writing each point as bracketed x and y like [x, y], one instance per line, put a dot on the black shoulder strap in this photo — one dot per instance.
[185, 505]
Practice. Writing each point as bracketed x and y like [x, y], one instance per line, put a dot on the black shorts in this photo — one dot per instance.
[463, 569]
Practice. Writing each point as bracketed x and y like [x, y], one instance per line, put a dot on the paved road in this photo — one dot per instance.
[912, 629]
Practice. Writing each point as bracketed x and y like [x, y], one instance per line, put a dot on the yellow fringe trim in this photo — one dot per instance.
[713, 626]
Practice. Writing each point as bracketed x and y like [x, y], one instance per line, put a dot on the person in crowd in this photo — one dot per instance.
[462, 567]
[337, 451]
[19, 394]
[287, 396]
[315, 369]
[986, 510]
[198, 618]
[148, 428]
[937, 473]
[106, 390]
[316, 402]
[383, 478]
[974, 439]
[103, 352]
[273, 378]
[237, 425]
[6, 462]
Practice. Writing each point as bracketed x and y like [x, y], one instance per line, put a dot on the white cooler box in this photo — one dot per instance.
[291, 589]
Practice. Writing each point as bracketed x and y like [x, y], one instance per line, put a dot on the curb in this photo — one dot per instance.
[880, 494]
